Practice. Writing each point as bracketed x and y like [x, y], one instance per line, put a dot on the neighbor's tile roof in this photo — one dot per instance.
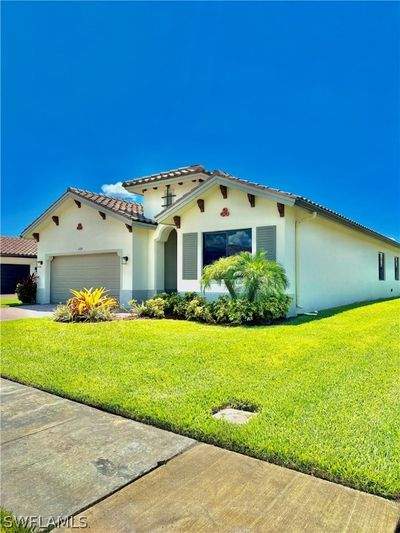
[169, 174]
[126, 208]
[17, 247]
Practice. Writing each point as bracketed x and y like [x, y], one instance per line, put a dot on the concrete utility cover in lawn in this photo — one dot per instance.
[234, 416]
[58, 456]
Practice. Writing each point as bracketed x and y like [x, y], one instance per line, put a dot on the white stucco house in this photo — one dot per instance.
[190, 217]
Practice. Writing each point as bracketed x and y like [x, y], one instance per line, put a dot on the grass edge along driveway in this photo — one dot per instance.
[327, 387]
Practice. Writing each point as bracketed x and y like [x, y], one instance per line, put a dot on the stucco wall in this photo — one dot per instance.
[97, 235]
[241, 216]
[152, 198]
[338, 266]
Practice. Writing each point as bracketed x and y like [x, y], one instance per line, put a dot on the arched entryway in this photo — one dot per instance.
[170, 263]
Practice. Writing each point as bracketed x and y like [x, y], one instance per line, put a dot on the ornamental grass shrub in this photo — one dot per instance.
[87, 305]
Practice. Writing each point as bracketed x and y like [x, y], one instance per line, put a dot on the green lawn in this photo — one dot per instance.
[327, 387]
[10, 302]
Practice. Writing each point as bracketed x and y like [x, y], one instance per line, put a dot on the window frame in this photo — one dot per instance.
[381, 266]
[226, 231]
[168, 197]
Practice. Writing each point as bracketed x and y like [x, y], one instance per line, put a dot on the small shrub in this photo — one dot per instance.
[178, 303]
[87, 305]
[26, 289]
[63, 313]
[225, 310]
[88, 299]
[165, 305]
[274, 307]
[152, 308]
[228, 311]
[196, 309]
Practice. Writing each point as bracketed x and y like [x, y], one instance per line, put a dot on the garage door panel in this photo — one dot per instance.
[79, 271]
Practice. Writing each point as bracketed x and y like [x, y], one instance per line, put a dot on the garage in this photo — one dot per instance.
[80, 271]
[17, 261]
[11, 275]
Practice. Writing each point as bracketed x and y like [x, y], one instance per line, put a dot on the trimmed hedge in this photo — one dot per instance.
[224, 310]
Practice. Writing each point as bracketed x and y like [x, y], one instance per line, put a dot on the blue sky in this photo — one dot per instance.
[299, 96]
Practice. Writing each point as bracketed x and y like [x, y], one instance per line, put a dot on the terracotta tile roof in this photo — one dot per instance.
[300, 201]
[252, 184]
[169, 174]
[132, 210]
[17, 247]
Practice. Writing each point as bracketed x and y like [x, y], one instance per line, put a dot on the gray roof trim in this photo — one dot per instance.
[332, 215]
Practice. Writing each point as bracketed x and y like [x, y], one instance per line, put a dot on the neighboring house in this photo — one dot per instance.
[17, 261]
[191, 217]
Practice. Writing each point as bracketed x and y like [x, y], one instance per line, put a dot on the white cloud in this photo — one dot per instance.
[117, 191]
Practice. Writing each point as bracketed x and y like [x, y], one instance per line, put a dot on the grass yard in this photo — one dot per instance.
[327, 387]
[10, 302]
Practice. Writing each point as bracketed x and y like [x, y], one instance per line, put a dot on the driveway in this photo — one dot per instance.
[26, 311]
[61, 458]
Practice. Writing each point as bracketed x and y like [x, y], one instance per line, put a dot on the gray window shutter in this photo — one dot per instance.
[266, 241]
[189, 256]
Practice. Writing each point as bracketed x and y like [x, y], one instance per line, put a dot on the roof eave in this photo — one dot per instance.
[300, 202]
[23, 256]
[27, 232]
[137, 188]
[221, 180]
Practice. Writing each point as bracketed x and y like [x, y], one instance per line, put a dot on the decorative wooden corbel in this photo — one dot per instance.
[224, 191]
[281, 209]
[56, 220]
[200, 203]
[36, 236]
[129, 227]
[78, 203]
[177, 222]
[103, 215]
[252, 199]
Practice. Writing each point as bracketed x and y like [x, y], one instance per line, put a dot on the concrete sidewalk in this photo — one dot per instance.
[60, 458]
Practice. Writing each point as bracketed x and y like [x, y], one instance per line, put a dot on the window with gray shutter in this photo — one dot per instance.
[266, 241]
[189, 256]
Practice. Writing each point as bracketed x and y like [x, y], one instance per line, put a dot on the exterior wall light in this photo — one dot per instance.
[40, 263]
[124, 260]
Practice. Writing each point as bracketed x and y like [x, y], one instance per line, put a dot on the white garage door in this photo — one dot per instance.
[79, 271]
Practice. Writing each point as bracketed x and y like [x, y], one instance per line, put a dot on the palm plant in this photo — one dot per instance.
[247, 276]
[260, 278]
[222, 271]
